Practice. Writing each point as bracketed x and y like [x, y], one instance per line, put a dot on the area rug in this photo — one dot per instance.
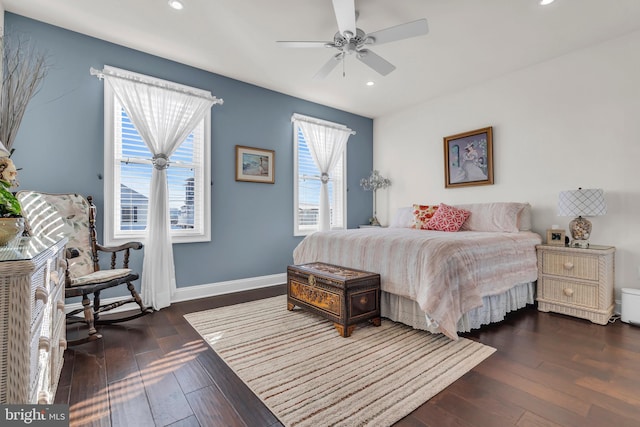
[308, 375]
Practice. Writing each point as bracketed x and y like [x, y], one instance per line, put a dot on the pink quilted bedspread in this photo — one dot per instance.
[447, 274]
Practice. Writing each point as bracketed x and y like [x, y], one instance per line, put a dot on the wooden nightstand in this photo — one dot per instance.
[578, 282]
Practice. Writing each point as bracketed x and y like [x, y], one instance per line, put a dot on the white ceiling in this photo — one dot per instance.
[469, 41]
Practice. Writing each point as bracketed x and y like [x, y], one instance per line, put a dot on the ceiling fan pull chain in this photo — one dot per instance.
[344, 73]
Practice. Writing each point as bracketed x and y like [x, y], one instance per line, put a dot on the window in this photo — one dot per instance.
[306, 193]
[128, 170]
[129, 214]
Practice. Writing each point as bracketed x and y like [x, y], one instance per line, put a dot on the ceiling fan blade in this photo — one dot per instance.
[378, 63]
[328, 67]
[345, 11]
[304, 44]
[399, 32]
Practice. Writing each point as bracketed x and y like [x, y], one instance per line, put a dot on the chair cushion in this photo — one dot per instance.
[100, 276]
[51, 215]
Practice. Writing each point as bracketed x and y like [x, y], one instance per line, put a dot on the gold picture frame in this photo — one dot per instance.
[255, 164]
[555, 237]
[468, 158]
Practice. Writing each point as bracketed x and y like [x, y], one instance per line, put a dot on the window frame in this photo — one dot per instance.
[304, 231]
[112, 194]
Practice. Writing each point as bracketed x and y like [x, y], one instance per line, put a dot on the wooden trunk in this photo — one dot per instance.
[340, 294]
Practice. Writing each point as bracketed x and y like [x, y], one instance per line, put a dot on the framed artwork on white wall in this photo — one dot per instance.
[468, 158]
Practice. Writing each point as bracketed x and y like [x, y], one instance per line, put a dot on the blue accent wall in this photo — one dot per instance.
[60, 149]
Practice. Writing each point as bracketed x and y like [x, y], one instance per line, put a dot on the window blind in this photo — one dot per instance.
[132, 174]
[308, 194]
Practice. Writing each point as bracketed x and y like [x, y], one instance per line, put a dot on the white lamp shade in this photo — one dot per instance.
[582, 202]
[3, 150]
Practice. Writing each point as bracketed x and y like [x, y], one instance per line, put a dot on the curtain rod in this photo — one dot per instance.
[168, 86]
[299, 117]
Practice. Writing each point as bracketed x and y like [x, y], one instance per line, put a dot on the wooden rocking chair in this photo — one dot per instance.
[71, 215]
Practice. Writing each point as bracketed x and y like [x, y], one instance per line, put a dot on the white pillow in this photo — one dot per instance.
[403, 218]
[500, 217]
[524, 218]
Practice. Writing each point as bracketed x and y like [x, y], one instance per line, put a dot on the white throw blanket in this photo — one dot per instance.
[447, 274]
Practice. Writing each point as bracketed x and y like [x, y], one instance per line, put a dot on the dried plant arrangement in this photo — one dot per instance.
[24, 69]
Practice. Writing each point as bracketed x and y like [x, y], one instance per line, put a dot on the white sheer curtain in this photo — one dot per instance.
[164, 114]
[326, 142]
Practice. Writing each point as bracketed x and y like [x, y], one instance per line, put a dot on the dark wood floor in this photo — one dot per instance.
[549, 370]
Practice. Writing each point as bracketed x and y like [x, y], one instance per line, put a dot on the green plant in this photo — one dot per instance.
[9, 205]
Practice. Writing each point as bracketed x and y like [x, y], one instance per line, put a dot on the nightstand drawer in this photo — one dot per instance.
[572, 266]
[574, 293]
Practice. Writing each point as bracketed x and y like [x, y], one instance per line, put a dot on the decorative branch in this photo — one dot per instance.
[24, 69]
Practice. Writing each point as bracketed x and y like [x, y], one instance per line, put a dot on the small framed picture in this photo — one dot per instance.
[555, 237]
[255, 164]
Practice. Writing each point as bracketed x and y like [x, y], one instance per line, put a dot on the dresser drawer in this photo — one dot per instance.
[58, 317]
[39, 292]
[570, 265]
[574, 293]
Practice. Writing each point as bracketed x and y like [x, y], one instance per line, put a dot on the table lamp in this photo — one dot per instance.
[374, 182]
[581, 203]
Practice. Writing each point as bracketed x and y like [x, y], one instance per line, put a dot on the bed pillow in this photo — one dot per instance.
[403, 218]
[497, 217]
[524, 218]
[422, 214]
[447, 218]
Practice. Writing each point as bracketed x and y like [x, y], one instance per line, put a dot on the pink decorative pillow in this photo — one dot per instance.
[421, 215]
[447, 218]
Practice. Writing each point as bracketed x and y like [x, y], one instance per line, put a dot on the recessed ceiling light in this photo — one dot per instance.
[546, 2]
[370, 83]
[176, 4]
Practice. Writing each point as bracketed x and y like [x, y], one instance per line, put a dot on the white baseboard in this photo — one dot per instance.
[202, 291]
[212, 289]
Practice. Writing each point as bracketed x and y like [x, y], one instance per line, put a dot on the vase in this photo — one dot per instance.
[10, 228]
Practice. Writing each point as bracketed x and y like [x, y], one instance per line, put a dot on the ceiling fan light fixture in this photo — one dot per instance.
[546, 2]
[176, 4]
[370, 83]
[351, 41]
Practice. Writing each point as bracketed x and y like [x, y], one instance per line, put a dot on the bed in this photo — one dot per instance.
[441, 281]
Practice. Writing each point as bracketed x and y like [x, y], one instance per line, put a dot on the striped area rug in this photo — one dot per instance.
[308, 375]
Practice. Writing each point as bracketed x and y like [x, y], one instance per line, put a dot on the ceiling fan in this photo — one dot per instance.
[350, 40]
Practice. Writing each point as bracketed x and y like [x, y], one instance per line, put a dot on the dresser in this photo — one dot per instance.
[577, 282]
[32, 320]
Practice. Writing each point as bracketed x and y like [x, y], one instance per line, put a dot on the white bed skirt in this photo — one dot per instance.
[494, 308]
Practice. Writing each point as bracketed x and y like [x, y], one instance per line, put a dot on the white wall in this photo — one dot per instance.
[570, 122]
